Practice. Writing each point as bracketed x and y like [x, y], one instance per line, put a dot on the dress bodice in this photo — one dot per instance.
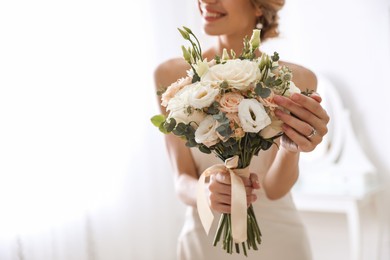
[279, 221]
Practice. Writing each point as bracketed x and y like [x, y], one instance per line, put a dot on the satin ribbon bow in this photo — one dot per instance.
[238, 203]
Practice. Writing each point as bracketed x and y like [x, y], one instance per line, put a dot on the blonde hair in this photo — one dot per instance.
[270, 17]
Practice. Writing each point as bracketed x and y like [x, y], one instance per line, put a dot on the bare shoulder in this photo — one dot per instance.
[169, 71]
[303, 77]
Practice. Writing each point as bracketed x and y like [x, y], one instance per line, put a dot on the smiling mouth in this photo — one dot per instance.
[211, 14]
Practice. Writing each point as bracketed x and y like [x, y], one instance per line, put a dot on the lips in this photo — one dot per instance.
[208, 13]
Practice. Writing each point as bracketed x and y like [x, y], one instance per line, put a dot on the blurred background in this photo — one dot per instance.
[84, 174]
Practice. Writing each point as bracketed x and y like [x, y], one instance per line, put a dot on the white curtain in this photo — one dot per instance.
[83, 173]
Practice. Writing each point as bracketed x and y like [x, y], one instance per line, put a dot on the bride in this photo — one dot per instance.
[274, 171]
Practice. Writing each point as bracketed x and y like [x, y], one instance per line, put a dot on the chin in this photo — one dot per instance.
[213, 30]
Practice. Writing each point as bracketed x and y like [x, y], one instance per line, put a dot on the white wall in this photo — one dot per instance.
[349, 42]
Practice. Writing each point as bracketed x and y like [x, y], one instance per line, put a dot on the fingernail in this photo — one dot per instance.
[278, 112]
[295, 96]
[278, 99]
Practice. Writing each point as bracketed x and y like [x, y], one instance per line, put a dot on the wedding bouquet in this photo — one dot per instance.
[225, 106]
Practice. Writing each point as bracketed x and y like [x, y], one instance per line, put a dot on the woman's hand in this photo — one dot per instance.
[220, 191]
[306, 125]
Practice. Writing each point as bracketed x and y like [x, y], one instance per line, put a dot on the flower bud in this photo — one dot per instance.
[225, 55]
[255, 39]
[185, 34]
[186, 54]
[187, 29]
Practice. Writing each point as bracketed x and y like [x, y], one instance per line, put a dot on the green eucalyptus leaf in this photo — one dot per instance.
[157, 120]
[213, 109]
[179, 129]
[262, 92]
[195, 78]
[191, 143]
[190, 130]
[224, 84]
[170, 124]
[278, 82]
[162, 129]
[204, 149]
[275, 57]
[224, 130]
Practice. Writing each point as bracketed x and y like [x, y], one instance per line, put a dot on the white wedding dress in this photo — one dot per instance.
[283, 235]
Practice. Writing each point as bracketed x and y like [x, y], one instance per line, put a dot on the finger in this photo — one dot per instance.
[223, 177]
[249, 190]
[301, 105]
[255, 181]
[300, 126]
[218, 187]
[216, 198]
[303, 143]
[303, 114]
[316, 97]
[310, 104]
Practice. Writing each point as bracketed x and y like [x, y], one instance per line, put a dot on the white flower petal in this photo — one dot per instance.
[253, 116]
[206, 133]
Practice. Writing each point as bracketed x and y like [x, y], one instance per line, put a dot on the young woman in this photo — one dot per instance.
[275, 170]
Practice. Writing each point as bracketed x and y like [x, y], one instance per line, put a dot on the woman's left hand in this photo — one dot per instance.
[306, 125]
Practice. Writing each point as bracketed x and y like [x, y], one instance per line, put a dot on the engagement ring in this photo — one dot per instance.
[312, 133]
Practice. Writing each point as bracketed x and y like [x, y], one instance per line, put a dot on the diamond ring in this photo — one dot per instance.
[312, 133]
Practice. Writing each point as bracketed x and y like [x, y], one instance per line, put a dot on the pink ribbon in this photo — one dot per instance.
[238, 203]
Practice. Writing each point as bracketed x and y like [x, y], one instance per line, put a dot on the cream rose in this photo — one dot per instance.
[180, 100]
[230, 101]
[206, 132]
[239, 74]
[201, 96]
[173, 89]
[253, 116]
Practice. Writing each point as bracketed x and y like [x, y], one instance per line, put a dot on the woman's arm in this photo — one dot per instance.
[185, 173]
[307, 115]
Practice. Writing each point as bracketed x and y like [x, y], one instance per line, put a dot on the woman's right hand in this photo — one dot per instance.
[220, 191]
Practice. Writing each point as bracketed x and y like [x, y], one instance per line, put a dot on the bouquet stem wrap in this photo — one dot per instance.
[238, 203]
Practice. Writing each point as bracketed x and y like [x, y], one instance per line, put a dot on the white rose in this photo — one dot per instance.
[239, 74]
[292, 88]
[206, 132]
[180, 100]
[201, 96]
[253, 116]
[173, 89]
